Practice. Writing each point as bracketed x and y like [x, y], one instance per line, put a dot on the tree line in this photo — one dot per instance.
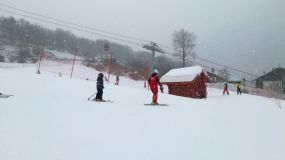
[28, 39]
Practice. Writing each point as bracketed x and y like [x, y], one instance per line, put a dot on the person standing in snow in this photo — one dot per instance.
[153, 82]
[100, 87]
[117, 80]
[238, 88]
[225, 88]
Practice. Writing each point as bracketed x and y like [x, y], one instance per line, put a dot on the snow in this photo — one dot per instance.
[63, 54]
[182, 74]
[50, 118]
[83, 72]
[15, 65]
[7, 51]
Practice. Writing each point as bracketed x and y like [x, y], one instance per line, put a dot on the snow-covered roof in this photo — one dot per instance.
[186, 74]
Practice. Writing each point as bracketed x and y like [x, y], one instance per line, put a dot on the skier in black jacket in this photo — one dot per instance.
[100, 87]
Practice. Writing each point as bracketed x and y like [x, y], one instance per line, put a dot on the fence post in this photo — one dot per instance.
[40, 59]
[73, 62]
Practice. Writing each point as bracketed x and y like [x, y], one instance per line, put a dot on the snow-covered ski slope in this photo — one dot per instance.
[49, 118]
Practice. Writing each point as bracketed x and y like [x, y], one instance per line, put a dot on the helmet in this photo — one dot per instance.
[156, 71]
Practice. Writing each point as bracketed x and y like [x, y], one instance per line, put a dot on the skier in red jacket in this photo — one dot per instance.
[153, 82]
[225, 88]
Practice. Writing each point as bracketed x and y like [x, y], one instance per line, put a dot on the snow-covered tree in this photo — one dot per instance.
[184, 43]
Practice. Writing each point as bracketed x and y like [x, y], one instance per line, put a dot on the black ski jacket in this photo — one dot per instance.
[100, 83]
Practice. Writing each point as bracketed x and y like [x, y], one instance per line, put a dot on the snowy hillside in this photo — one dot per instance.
[8, 52]
[50, 118]
[62, 54]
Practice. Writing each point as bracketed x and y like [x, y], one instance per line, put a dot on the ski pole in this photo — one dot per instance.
[92, 96]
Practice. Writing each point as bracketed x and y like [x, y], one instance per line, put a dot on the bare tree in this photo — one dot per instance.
[184, 43]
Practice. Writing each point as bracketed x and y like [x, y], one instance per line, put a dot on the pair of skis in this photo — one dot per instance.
[110, 101]
[144, 104]
[100, 100]
[149, 104]
[5, 95]
[103, 101]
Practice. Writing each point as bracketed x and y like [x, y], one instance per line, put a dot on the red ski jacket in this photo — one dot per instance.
[153, 82]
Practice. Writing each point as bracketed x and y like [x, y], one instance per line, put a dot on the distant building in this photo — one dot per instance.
[274, 80]
[186, 82]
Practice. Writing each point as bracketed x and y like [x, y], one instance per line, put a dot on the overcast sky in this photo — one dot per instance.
[245, 34]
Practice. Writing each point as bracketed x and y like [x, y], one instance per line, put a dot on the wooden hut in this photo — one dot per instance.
[186, 82]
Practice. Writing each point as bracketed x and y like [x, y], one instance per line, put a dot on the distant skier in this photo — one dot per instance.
[153, 82]
[117, 80]
[100, 87]
[225, 88]
[238, 88]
